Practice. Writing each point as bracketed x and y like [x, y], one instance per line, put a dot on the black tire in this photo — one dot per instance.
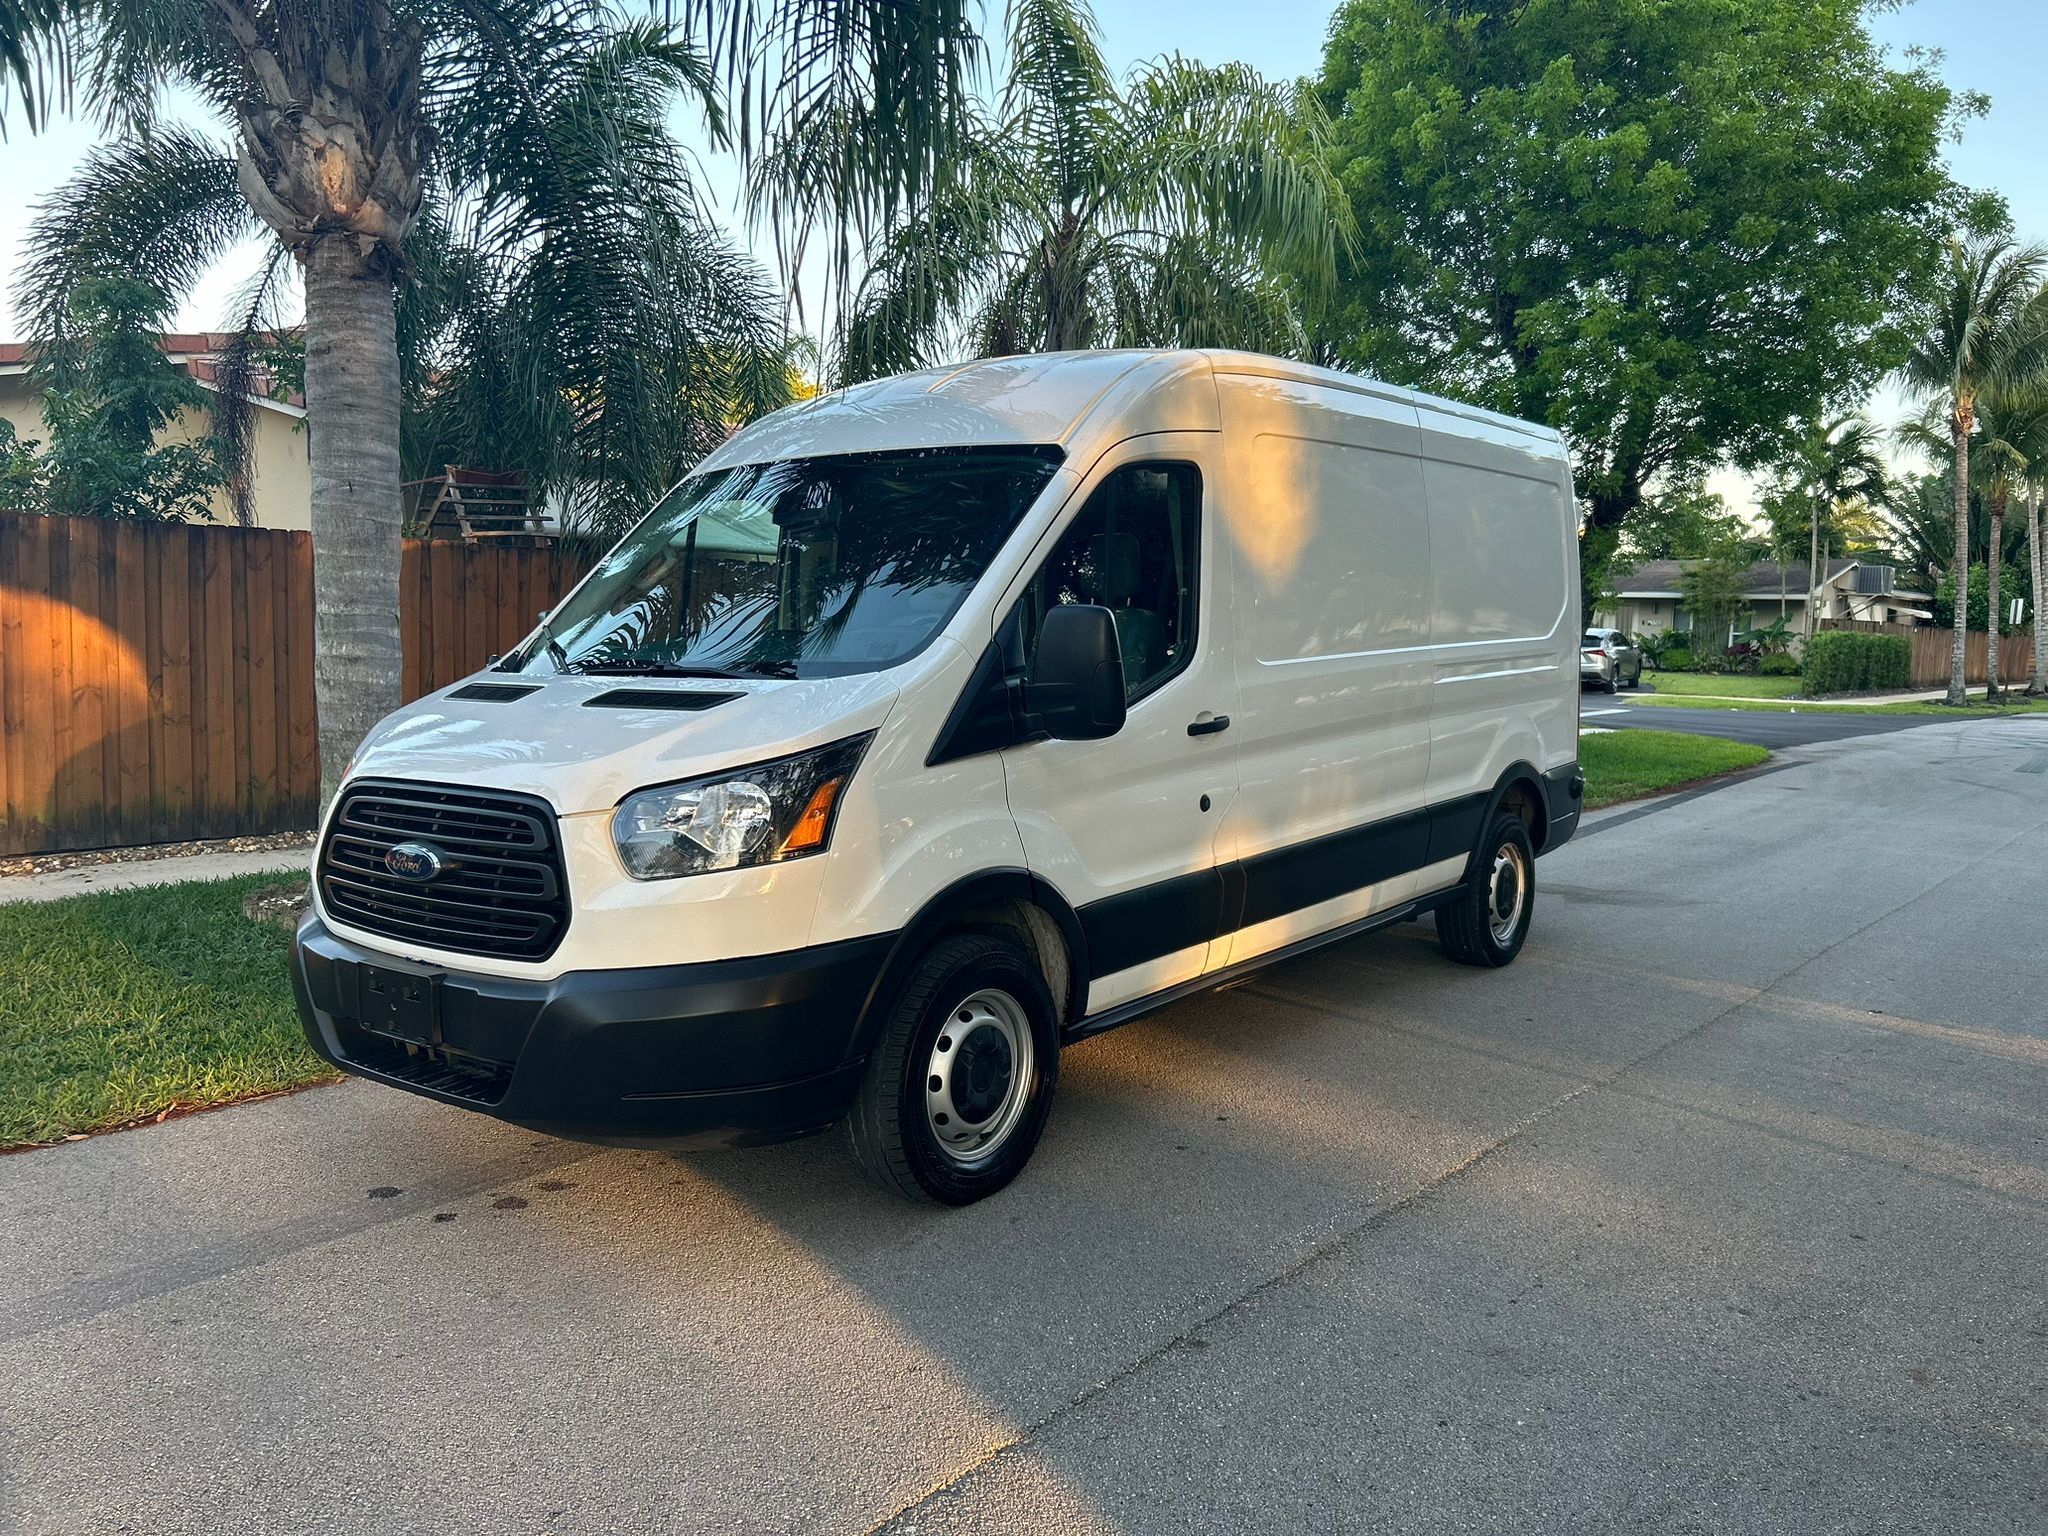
[889, 1126]
[1466, 926]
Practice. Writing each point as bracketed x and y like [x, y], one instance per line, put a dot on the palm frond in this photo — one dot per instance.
[237, 382]
[36, 58]
[878, 90]
[939, 266]
[1058, 99]
[1989, 323]
[162, 209]
[1219, 148]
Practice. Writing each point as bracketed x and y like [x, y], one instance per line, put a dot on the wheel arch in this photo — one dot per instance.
[1521, 787]
[1011, 900]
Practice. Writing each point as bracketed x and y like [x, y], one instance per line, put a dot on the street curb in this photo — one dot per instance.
[1634, 810]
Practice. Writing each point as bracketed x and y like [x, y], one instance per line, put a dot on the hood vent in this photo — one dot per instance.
[494, 693]
[660, 698]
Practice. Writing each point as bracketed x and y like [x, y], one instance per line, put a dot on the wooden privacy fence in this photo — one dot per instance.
[1933, 651]
[156, 680]
[460, 604]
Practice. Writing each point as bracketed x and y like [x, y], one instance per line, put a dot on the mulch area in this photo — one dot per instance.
[47, 863]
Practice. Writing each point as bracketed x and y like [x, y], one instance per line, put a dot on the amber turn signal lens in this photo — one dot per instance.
[809, 831]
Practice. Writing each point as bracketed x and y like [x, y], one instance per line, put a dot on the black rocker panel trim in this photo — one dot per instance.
[1284, 880]
[1135, 926]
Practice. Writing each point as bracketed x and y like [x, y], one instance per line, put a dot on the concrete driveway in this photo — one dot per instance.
[1725, 1208]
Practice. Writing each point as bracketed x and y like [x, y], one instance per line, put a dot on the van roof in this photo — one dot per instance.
[1050, 397]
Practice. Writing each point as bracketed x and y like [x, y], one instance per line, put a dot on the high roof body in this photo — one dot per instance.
[1082, 401]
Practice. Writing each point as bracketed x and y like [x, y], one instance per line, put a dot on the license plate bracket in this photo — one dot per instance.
[403, 1004]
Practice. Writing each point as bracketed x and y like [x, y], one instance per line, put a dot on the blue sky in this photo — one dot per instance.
[1994, 46]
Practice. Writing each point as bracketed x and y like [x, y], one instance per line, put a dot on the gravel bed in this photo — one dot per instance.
[47, 863]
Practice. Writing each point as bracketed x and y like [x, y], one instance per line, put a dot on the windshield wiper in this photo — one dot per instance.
[645, 666]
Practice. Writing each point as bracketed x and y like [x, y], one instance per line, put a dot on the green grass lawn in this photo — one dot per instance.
[1731, 685]
[1626, 765]
[117, 1007]
[2015, 705]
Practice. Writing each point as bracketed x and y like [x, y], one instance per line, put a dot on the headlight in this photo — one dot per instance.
[759, 815]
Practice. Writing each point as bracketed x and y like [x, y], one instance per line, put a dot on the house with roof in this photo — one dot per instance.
[1649, 597]
[281, 477]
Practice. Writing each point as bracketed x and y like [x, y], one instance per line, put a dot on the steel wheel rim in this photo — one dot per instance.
[1507, 892]
[978, 1076]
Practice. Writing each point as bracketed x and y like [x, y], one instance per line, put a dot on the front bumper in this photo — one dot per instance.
[725, 1053]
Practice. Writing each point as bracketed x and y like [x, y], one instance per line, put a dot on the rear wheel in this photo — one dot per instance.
[957, 1090]
[1488, 919]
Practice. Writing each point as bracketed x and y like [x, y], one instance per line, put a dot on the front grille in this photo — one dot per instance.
[502, 891]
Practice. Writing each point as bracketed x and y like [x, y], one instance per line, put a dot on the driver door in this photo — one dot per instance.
[1125, 828]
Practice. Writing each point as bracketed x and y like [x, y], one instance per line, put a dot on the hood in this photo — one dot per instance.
[571, 745]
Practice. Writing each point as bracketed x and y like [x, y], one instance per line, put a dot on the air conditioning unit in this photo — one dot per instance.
[1873, 579]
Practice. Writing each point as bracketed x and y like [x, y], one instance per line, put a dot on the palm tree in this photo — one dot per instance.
[2007, 449]
[2012, 435]
[1188, 207]
[1836, 462]
[1986, 327]
[2033, 506]
[367, 132]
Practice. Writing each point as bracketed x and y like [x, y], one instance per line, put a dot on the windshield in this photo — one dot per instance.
[800, 568]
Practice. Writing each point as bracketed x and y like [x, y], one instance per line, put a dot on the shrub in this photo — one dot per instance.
[1656, 644]
[1779, 665]
[1676, 659]
[1849, 661]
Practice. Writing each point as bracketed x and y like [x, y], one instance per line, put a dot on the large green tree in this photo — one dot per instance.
[1188, 206]
[1666, 227]
[377, 139]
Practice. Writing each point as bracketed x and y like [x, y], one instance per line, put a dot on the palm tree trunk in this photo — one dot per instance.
[1959, 434]
[352, 400]
[1813, 575]
[1994, 591]
[2036, 508]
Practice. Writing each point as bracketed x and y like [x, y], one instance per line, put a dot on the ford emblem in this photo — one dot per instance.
[414, 861]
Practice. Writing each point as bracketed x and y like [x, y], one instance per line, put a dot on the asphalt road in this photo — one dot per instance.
[1725, 1208]
[1767, 728]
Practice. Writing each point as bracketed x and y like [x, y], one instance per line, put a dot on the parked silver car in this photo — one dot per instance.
[1608, 660]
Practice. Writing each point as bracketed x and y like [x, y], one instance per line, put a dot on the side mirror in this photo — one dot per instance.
[1075, 689]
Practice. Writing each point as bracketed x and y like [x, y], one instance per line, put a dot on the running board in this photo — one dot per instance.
[1137, 1008]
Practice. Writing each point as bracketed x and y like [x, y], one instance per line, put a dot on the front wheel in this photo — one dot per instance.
[959, 1084]
[1486, 921]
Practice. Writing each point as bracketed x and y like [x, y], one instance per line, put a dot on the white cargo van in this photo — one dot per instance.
[935, 724]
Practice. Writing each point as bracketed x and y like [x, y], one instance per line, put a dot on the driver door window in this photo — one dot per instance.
[1133, 549]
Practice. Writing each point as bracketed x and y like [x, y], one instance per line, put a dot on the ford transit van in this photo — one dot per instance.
[933, 725]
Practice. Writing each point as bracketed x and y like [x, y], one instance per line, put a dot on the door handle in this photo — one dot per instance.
[1210, 726]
